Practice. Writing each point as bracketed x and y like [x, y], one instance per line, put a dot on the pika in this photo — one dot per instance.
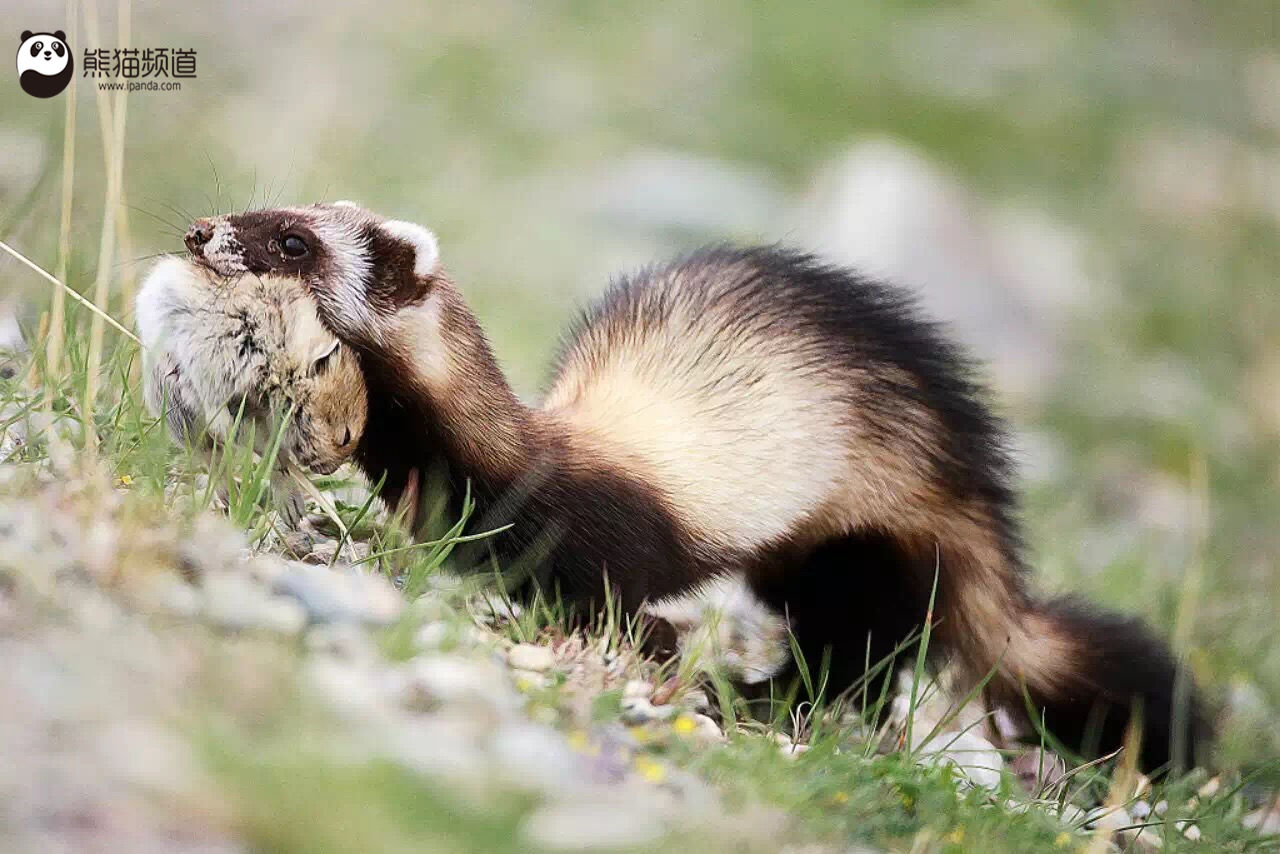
[217, 348]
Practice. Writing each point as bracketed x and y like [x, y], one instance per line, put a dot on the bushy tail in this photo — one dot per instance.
[1117, 671]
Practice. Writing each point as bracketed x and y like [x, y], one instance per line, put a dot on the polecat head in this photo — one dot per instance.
[213, 346]
[359, 267]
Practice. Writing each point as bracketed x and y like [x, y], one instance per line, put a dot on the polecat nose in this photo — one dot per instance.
[200, 233]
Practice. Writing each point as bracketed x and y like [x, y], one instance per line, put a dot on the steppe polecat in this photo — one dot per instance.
[751, 411]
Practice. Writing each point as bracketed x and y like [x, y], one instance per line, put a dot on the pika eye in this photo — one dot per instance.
[293, 246]
[346, 437]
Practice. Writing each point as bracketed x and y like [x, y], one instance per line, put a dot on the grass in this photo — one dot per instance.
[1171, 388]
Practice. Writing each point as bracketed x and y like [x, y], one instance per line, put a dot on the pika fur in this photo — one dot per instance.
[251, 346]
[751, 412]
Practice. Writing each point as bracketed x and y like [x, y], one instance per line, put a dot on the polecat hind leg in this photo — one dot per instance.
[850, 602]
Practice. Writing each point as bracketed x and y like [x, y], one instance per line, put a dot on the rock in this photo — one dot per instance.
[341, 640]
[698, 701]
[637, 688]
[433, 635]
[336, 595]
[975, 757]
[1108, 818]
[530, 680]
[527, 656]
[638, 710]
[297, 543]
[534, 756]
[706, 728]
[1266, 819]
[169, 595]
[593, 824]
[231, 601]
[1072, 816]
[1141, 838]
[433, 681]
[789, 747]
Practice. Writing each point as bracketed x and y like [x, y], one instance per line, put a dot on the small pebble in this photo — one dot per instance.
[1108, 818]
[637, 688]
[789, 747]
[707, 728]
[297, 543]
[530, 680]
[527, 656]
[336, 595]
[233, 602]
[590, 826]
[1265, 819]
[638, 710]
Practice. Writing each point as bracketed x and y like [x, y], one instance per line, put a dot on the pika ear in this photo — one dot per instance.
[425, 247]
[60, 36]
[322, 354]
[26, 34]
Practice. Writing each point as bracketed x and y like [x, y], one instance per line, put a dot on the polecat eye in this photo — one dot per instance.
[293, 246]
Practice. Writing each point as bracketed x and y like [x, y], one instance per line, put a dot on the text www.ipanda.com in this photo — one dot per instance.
[140, 86]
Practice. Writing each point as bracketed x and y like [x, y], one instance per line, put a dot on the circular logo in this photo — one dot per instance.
[45, 64]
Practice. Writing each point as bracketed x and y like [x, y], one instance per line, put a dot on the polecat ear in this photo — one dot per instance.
[425, 247]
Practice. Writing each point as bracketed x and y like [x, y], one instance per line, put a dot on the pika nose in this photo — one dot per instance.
[200, 233]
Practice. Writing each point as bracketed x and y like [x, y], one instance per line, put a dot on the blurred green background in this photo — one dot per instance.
[1088, 191]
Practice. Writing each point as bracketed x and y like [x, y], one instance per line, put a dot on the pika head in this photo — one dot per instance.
[321, 380]
[218, 350]
[359, 267]
[45, 64]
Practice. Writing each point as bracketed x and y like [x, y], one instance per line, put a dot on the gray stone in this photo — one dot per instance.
[337, 595]
[591, 825]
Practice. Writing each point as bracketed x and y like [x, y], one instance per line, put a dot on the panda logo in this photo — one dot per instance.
[45, 64]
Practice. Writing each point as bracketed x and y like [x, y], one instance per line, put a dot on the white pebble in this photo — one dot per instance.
[637, 688]
[527, 656]
[638, 710]
[586, 826]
